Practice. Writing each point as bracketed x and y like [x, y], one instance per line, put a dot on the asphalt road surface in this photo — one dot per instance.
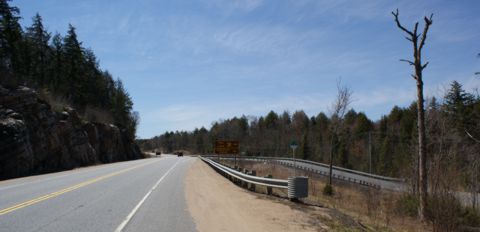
[140, 195]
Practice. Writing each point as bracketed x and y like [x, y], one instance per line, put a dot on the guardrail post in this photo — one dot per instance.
[269, 189]
[252, 186]
[245, 184]
[239, 182]
[233, 179]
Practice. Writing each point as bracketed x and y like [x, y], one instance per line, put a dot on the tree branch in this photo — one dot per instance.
[415, 30]
[469, 135]
[408, 61]
[425, 65]
[395, 14]
[428, 22]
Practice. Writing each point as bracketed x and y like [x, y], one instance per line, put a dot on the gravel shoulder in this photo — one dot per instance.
[216, 204]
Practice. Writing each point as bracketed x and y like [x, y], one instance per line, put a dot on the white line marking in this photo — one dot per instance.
[131, 214]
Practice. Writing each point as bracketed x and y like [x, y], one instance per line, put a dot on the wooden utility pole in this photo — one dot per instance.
[370, 151]
[414, 37]
[330, 166]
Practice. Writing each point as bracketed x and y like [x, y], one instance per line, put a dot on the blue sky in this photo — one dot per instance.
[189, 63]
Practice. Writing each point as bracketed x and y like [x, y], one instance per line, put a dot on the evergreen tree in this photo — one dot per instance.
[385, 157]
[37, 39]
[458, 105]
[56, 69]
[94, 84]
[74, 58]
[11, 41]
[63, 67]
[271, 120]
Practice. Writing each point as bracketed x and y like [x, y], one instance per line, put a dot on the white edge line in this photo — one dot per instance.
[132, 213]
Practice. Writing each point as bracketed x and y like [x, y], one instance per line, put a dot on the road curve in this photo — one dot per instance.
[384, 184]
[140, 195]
[338, 173]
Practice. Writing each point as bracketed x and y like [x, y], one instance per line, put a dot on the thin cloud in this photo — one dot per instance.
[188, 63]
[229, 7]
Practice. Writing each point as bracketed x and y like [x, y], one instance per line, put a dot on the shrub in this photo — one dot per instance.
[58, 103]
[444, 211]
[407, 205]
[471, 217]
[372, 201]
[328, 190]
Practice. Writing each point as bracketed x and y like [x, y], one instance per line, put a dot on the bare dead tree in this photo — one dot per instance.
[418, 41]
[338, 110]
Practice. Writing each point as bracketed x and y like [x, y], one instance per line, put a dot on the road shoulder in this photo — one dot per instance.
[218, 205]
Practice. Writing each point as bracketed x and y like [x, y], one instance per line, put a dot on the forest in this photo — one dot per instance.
[387, 146]
[62, 70]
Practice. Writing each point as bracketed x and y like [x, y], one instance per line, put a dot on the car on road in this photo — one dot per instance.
[179, 153]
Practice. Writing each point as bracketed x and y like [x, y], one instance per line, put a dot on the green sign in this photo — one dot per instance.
[293, 145]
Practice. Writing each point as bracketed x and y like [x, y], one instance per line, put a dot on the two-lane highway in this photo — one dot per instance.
[140, 195]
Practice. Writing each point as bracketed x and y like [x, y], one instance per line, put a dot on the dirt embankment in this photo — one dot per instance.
[216, 204]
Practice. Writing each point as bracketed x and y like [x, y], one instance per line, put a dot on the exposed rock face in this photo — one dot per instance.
[35, 139]
[107, 140]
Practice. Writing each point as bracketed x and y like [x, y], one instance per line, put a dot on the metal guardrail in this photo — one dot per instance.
[464, 197]
[317, 164]
[268, 182]
[364, 179]
[348, 170]
[297, 186]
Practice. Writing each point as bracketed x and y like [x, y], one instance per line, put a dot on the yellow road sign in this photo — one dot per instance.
[226, 147]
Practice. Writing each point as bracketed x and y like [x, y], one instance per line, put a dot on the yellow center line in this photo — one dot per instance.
[65, 190]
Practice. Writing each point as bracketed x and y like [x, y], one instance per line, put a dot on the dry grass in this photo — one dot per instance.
[370, 207]
[58, 103]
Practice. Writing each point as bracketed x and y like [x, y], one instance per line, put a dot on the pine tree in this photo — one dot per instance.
[458, 105]
[122, 107]
[271, 120]
[74, 58]
[37, 39]
[385, 157]
[64, 67]
[94, 84]
[11, 41]
[56, 69]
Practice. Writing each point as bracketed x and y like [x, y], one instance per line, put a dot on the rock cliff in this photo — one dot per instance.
[36, 139]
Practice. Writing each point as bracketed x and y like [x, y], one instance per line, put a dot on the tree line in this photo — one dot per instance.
[62, 69]
[387, 146]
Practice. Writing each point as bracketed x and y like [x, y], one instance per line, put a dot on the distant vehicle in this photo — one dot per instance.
[179, 153]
